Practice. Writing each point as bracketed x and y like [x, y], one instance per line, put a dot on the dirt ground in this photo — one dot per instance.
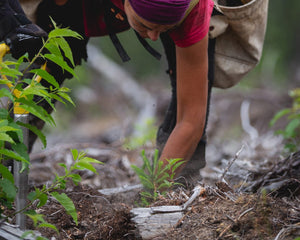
[239, 213]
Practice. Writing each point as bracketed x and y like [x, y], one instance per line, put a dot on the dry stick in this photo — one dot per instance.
[198, 190]
[282, 231]
[181, 219]
[245, 120]
[230, 163]
[235, 221]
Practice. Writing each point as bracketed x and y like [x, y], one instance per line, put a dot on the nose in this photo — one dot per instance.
[153, 35]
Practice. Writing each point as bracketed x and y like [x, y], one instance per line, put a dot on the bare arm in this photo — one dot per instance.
[192, 87]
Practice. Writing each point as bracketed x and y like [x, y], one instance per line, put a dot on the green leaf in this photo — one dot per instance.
[91, 160]
[6, 138]
[35, 90]
[65, 167]
[34, 216]
[39, 221]
[10, 72]
[53, 47]
[29, 233]
[279, 115]
[155, 158]
[32, 235]
[86, 165]
[290, 130]
[19, 131]
[5, 81]
[41, 238]
[8, 128]
[36, 110]
[36, 131]
[48, 225]
[147, 183]
[67, 203]
[139, 171]
[74, 154]
[290, 147]
[4, 92]
[146, 162]
[295, 93]
[60, 61]
[63, 44]
[178, 164]
[37, 194]
[8, 188]
[13, 155]
[54, 96]
[76, 178]
[21, 149]
[161, 180]
[6, 173]
[46, 76]
[146, 194]
[165, 184]
[32, 196]
[63, 32]
[3, 113]
[67, 97]
[42, 199]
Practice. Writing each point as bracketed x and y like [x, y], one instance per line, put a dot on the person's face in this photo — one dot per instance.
[145, 28]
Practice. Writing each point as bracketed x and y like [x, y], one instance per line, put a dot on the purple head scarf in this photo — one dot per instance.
[160, 11]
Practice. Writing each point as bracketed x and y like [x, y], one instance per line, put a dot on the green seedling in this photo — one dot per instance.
[156, 177]
[291, 132]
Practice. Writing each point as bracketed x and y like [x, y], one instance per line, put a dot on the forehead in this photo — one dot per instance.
[133, 17]
[146, 24]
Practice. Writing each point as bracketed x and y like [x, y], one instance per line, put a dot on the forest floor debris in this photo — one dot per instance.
[237, 207]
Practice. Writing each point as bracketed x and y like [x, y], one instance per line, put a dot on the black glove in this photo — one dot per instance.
[25, 38]
[17, 31]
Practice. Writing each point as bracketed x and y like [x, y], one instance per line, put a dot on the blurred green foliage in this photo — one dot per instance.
[291, 132]
[281, 55]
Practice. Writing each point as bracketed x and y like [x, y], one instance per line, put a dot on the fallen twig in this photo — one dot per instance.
[284, 230]
[234, 221]
[245, 120]
[198, 190]
[231, 162]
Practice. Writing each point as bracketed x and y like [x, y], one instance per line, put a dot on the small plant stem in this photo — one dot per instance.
[35, 57]
[46, 191]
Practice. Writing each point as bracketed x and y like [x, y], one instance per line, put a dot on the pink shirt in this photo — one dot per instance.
[195, 26]
[191, 30]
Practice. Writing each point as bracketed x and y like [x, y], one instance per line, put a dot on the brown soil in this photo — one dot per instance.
[98, 217]
[216, 215]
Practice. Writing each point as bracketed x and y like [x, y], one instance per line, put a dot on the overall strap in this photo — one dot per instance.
[147, 46]
[115, 40]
